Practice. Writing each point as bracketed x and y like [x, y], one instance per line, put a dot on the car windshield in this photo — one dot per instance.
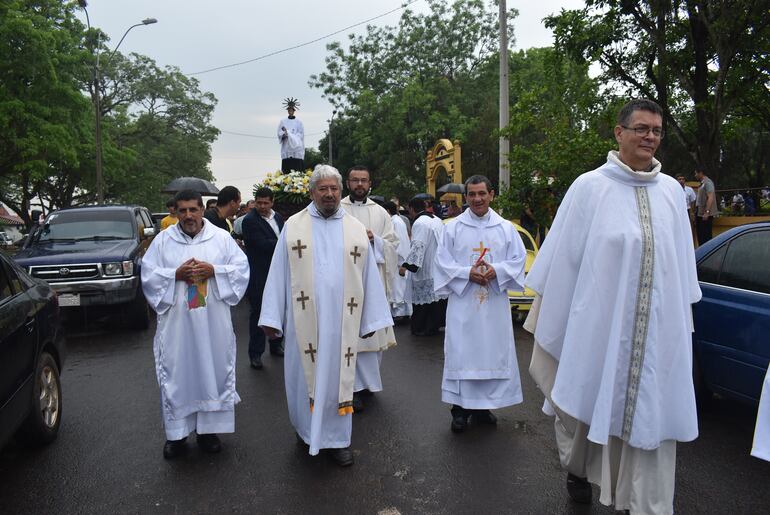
[88, 224]
[527, 241]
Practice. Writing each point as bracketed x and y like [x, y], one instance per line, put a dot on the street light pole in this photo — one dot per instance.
[97, 100]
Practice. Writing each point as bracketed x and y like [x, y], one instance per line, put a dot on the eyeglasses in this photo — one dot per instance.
[358, 181]
[643, 130]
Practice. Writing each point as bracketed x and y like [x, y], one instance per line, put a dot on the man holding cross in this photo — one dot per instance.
[481, 256]
[323, 292]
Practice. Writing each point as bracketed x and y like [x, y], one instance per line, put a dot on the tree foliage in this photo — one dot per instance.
[155, 121]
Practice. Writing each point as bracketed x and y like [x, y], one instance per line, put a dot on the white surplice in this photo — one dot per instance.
[384, 243]
[398, 305]
[194, 343]
[426, 236]
[293, 146]
[323, 427]
[480, 366]
[761, 446]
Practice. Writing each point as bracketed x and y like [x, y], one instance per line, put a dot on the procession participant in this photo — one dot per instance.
[689, 193]
[323, 291]
[171, 218]
[761, 446]
[291, 137]
[705, 207]
[228, 202]
[399, 307]
[613, 345]
[427, 308]
[191, 274]
[480, 258]
[383, 241]
[246, 208]
[261, 228]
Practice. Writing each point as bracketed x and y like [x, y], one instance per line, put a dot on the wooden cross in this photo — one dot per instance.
[310, 350]
[355, 254]
[352, 304]
[481, 248]
[298, 247]
[349, 355]
[302, 298]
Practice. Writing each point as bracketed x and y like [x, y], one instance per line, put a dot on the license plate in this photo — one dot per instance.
[69, 299]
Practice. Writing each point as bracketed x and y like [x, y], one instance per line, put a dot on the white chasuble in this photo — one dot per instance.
[480, 366]
[194, 344]
[322, 372]
[617, 279]
[761, 447]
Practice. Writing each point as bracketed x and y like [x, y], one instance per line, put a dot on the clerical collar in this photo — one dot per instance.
[483, 218]
[358, 201]
[292, 117]
[648, 175]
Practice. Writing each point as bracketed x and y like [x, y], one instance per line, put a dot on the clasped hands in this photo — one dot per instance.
[193, 271]
[482, 273]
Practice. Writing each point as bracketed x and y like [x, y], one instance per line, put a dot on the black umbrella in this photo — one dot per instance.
[424, 196]
[452, 188]
[202, 186]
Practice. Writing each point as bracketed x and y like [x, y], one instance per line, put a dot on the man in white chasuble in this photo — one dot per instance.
[323, 292]
[480, 258]
[613, 323]
[383, 243]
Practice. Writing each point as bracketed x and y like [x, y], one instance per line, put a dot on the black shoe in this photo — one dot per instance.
[278, 352]
[484, 417]
[459, 423]
[174, 448]
[579, 489]
[210, 443]
[358, 402]
[256, 364]
[342, 457]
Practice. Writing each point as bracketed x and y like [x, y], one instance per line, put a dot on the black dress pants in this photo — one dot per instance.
[703, 228]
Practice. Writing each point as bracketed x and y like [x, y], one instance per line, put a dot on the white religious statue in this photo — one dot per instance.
[480, 258]
[427, 306]
[383, 242]
[761, 447]
[616, 280]
[191, 274]
[323, 292]
[399, 307]
[291, 137]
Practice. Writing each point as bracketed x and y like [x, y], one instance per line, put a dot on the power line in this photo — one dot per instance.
[404, 6]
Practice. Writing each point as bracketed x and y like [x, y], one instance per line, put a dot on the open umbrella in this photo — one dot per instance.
[452, 188]
[202, 186]
[424, 196]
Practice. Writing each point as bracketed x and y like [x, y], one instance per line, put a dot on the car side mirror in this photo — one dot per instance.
[147, 232]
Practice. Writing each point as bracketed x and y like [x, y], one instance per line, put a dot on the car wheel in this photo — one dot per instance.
[42, 423]
[138, 315]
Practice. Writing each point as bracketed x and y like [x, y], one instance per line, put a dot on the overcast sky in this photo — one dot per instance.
[195, 35]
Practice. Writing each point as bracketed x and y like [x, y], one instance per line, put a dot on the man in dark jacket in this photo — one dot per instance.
[260, 227]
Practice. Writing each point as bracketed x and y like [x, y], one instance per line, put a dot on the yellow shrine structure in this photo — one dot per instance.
[444, 165]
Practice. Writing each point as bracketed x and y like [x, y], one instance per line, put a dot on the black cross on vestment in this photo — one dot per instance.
[298, 247]
[349, 355]
[302, 298]
[311, 351]
[352, 304]
[355, 254]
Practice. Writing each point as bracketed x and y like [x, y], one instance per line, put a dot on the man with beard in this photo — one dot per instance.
[383, 242]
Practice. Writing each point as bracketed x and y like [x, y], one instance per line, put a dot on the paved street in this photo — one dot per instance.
[108, 456]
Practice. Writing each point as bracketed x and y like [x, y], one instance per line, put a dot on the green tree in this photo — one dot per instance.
[699, 59]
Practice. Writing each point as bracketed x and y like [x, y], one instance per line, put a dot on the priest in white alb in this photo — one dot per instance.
[399, 307]
[480, 258]
[191, 274]
[613, 323]
[323, 292]
[383, 243]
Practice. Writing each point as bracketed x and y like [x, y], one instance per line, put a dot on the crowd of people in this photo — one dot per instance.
[612, 322]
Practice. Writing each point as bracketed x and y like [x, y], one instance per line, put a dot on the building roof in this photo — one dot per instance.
[7, 218]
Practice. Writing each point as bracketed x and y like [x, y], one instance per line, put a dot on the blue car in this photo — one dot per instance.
[731, 343]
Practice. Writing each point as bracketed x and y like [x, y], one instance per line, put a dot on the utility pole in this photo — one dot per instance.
[505, 173]
[331, 122]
